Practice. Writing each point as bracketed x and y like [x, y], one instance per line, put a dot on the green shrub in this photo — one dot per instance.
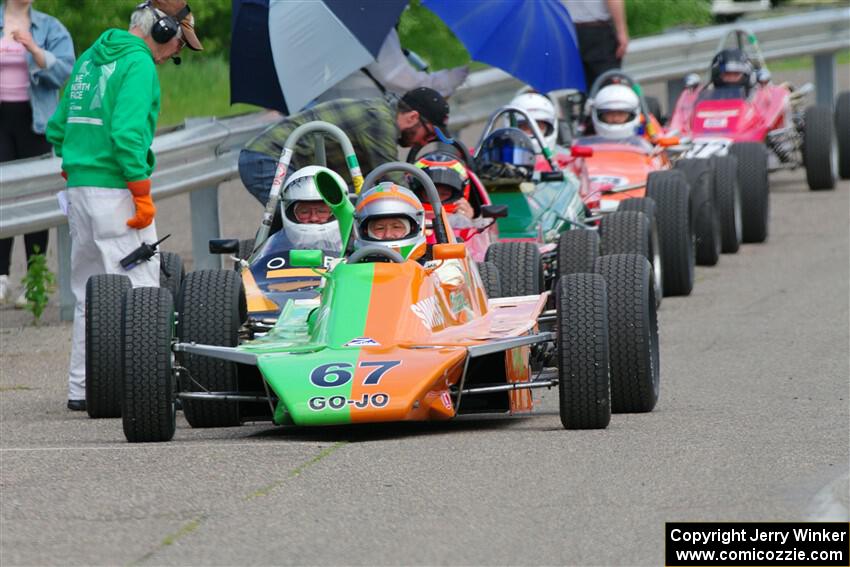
[38, 284]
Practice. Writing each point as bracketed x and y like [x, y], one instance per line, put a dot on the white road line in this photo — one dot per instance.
[130, 447]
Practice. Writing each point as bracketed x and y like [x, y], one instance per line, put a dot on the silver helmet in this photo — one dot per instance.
[301, 187]
[389, 200]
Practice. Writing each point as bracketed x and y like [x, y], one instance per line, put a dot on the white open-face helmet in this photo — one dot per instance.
[616, 97]
[302, 187]
[387, 200]
[541, 109]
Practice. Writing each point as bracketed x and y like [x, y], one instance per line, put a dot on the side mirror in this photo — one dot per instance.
[306, 258]
[494, 211]
[691, 81]
[551, 176]
[448, 252]
[581, 151]
[224, 246]
[668, 141]
[763, 76]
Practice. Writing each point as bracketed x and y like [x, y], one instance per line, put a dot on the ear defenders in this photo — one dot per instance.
[165, 27]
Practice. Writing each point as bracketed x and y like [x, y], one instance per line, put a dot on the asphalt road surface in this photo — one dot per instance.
[752, 425]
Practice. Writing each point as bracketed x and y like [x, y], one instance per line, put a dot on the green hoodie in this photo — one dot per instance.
[105, 123]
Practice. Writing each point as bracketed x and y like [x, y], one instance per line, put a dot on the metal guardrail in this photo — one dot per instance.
[204, 153]
[673, 55]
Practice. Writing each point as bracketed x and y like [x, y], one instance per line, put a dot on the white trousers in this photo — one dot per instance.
[100, 237]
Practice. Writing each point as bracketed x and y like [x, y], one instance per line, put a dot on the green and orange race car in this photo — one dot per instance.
[385, 340]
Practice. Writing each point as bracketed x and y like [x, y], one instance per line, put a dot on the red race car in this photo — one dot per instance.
[766, 126]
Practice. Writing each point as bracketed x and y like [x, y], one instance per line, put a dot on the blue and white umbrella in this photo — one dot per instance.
[285, 53]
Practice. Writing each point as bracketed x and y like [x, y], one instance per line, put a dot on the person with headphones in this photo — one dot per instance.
[103, 130]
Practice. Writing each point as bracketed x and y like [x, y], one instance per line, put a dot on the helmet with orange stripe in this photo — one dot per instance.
[390, 215]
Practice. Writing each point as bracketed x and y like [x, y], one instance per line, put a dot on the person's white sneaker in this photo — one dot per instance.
[4, 289]
[21, 301]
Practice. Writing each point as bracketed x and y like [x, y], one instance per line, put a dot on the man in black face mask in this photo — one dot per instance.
[374, 126]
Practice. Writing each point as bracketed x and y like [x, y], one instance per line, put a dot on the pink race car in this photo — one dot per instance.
[766, 126]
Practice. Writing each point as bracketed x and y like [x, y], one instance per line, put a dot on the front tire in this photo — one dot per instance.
[671, 193]
[700, 176]
[842, 133]
[584, 391]
[754, 186]
[491, 279]
[104, 354]
[727, 197]
[520, 267]
[647, 206]
[148, 412]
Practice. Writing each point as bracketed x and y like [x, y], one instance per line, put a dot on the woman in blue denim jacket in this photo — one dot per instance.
[36, 58]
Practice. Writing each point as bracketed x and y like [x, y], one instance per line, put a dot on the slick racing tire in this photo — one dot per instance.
[671, 193]
[700, 176]
[104, 357]
[520, 267]
[171, 272]
[491, 279]
[212, 308]
[578, 250]
[647, 206]
[727, 198]
[754, 186]
[818, 147]
[149, 411]
[632, 332]
[842, 133]
[584, 390]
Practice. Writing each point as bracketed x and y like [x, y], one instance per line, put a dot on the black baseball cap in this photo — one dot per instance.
[430, 104]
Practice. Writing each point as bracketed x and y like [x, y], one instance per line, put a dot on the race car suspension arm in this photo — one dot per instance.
[545, 382]
[225, 397]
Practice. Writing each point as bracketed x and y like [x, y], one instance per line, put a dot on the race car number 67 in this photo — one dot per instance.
[336, 374]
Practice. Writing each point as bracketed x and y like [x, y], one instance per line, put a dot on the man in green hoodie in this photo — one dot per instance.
[103, 130]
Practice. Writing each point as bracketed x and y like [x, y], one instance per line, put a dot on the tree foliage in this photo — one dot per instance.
[87, 19]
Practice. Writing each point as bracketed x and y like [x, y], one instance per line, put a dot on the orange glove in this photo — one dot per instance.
[145, 209]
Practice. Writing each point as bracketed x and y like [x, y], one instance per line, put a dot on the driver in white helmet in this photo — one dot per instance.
[616, 112]
[542, 111]
[307, 219]
[392, 216]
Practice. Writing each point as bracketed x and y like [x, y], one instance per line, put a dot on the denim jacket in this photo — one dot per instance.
[45, 84]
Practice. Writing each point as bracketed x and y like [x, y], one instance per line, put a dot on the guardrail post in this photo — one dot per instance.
[205, 225]
[674, 89]
[824, 78]
[63, 255]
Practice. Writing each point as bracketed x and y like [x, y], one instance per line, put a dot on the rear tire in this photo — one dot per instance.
[727, 198]
[700, 176]
[520, 267]
[104, 354]
[148, 412]
[491, 279]
[754, 186]
[647, 206]
[211, 304]
[577, 251]
[818, 148]
[842, 133]
[671, 194]
[584, 390]
[171, 272]
[632, 331]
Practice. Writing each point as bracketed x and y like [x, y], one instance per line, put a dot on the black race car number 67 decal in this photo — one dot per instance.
[339, 373]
